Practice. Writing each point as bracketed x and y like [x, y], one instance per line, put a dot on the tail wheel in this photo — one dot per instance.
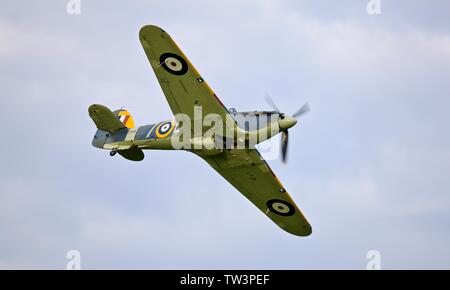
[113, 152]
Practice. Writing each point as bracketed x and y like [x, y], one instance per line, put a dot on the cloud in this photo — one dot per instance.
[23, 41]
[351, 48]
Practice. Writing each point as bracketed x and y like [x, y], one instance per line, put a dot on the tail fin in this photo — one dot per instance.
[125, 117]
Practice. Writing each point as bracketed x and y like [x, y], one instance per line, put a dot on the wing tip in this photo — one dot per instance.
[303, 231]
[149, 31]
[95, 107]
[307, 232]
[296, 227]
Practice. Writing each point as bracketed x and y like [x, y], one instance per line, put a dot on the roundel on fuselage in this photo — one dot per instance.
[164, 129]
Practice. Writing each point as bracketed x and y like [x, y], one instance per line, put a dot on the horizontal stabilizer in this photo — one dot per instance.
[104, 119]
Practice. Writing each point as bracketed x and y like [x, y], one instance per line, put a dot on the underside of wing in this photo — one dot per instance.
[249, 173]
[181, 83]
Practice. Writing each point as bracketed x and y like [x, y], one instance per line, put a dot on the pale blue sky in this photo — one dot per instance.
[369, 166]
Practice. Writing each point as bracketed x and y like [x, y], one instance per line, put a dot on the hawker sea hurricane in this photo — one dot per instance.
[229, 148]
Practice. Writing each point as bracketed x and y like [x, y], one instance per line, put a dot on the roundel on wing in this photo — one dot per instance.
[173, 63]
[281, 207]
[164, 129]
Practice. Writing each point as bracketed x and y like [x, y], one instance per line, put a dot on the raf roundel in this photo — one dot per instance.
[164, 129]
[281, 207]
[173, 63]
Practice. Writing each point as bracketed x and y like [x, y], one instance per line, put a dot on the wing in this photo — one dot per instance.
[181, 83]
[249, 173]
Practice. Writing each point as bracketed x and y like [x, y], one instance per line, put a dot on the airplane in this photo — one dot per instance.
[185, 90]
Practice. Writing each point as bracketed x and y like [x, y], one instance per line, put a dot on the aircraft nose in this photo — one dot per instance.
[287, 122]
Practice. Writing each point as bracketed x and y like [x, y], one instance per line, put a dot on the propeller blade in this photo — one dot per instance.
[284, 145]
[285, 133]
[272, 103]
[303, 110]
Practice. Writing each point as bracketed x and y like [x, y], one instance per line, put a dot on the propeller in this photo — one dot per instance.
[284, 145]
[303, 110]
[272, 103]
[285, 132]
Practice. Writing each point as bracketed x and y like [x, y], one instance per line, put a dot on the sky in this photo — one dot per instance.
[369, 165]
